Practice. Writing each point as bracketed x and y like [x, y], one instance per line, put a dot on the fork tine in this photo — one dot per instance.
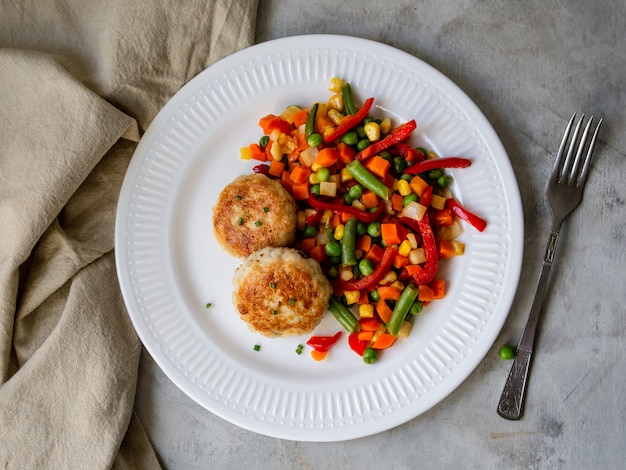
[585, 171]
[558, 164]
[573, 175]
[567, 166]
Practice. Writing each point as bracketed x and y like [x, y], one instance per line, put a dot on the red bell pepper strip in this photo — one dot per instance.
[262, 168]
[462, 213]
[314, 218]
[431, 164]
[350, 121]
[379, 272]
[363, 216]
[400, 134]
[323, 343]
[356, 344]
[430, 268]
[409, 153]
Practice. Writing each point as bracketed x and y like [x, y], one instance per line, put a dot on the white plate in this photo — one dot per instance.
[170, 266]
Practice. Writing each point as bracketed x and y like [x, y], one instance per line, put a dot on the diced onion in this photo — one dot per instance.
[413, 210]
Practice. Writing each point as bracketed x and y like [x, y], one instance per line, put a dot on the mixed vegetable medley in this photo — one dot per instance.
[376, 212]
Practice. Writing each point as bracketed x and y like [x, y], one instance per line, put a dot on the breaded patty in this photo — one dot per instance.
[279, 292]
[252, 212]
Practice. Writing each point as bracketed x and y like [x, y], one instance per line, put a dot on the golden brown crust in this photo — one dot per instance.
[252, 212]
[278, 292]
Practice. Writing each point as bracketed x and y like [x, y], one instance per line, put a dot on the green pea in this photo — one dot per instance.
[360, 131]
[361, 228]
[373, 229]
[335, 260]
[444, 181]
[315, 189]
[507, 352]
[314, 140]
[323, 174]
[399, 164]
[406, 177]
[434, 174]
[355, 191]
[370, 356]
[350, 138]
[333, 272]
[406, 200]
[264, 141]
[347, 199]
[374, 296]
[363, 144]
[333, 249]
[309, 231]
[366, 267]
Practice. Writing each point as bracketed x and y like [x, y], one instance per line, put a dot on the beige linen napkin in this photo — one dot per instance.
[79, 81]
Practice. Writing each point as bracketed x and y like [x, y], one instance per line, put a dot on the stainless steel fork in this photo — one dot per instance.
[564, 193]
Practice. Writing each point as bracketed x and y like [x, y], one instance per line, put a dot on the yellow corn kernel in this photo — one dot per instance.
[388, 278]
[346, 175]
[335, 102]
[288, 112]
[338, 233]
[315, 167]
[397, 284]
[335, 84]
[328, 130]
[352, 296]
[459, 248]
[335, 116]
[326, 216]
[245, 153]
[328, 188]
[314, 178]
[438, 202]
[431, 154]
[372, 131]
[385, 126]
[405, 248]
[403, 187]
[366, 311]
[359, 205]
[405, 329]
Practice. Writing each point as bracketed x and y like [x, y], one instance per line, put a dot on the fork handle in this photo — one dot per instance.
[513, 395]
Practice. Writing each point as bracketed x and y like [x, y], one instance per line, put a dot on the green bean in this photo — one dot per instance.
[402, 307]
[350, 138]
[367, 179]
[333, 249]
[416, 308]
[343, 315]
[348, 240]
[348, 100]
[309, 126]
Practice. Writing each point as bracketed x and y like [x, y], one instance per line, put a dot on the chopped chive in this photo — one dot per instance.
[208, 304]
[238, 197]
[266, 209]
[257, 347]
[292, 301]
[273, 285]
[275, 312]
[258, 223]
[240, 221]
[299, 349]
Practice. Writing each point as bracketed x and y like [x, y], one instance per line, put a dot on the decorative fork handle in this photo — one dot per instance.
[512, 399]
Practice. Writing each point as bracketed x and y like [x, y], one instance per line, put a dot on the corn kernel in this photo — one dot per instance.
[379, 331]
[314, 178]
[315, 167]
[352, 296]
[336, 102]
[346, 175]
[245, 153]
[431, 154]
[328, 130]
[397, 284]
[459, 248]
[438, 202]
[338, 233]
[366, 311]
[372, 131]
[335, 116]
[326, 216]
[403, 187]
[405, 248]
[335, 84]
[359, 205]
[388, 278]
[385, 126]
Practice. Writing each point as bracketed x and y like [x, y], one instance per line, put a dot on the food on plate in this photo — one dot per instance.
[375, 211]
[278, 292]
[253, 212]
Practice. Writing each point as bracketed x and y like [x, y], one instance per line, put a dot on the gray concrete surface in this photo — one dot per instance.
[527, 65]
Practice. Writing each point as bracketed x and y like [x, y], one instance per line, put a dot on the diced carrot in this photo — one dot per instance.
[445, 249]
[258, 153]
[346, 153]
[307, 244]
[369, 199]
[270, 122]
[334, 221]
[438, 287]
[425, 293]
[418, 185]
[396, 202]
[412, 269]
[364, 243]
[300, 117]
[286, 181]
[345, 216]
[365, 335]
[400, 261]
[318, 253]
[300, 191]
[300, 174]
[276, 168]
[384, 341]
[326, 157]
[378, 165]
[388, 292]
[383, 310]
[369, 324]
[375, 254]
[390, 233]
[268, 150]
[322, 121]
[318, 355]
